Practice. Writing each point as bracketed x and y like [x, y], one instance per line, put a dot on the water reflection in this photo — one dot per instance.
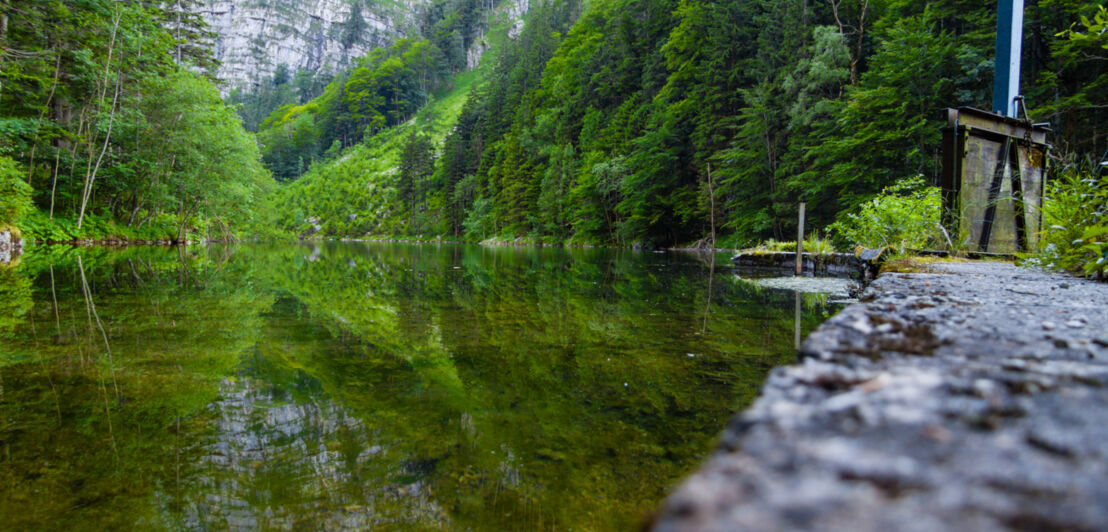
[353, 386]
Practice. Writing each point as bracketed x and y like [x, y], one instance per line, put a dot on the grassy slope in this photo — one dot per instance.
[361, 181]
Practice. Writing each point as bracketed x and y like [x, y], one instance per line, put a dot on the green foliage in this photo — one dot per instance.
[659, 121]
[357, 192]
[15, 194]
[1094, 245]
[479, 224]
[1075, 209]
[903, 216]
[258, 102]
[15, 302]
[417, 161]
[214, 166]
[39, 228]
[109, 126]
[1072, 83]
[1075, 224]
[384, 89]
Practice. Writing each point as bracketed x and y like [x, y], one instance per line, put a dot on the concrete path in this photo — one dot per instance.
[973, 398]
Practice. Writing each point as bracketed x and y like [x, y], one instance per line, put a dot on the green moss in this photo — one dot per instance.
[918, 264]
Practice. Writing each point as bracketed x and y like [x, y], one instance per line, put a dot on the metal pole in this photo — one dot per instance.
[1009, 40]
[800, 242]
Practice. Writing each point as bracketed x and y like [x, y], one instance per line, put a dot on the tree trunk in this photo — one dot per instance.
[846, 29]
[90, 174]
[54, 183]
[149, 216]
[90, 177]
[137, 205]
[184, 220]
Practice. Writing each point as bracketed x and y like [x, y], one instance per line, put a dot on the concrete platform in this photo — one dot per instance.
[972, 398]
[843, 265]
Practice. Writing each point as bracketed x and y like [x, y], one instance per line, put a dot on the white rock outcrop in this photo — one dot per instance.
[253, 37]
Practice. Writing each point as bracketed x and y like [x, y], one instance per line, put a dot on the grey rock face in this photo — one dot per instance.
[969, 400]
[10, 246]
[5, 246]
[277, 465]
[254, 36]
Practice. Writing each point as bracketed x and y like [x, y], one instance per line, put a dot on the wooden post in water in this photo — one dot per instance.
[800, 242]
[796, 321]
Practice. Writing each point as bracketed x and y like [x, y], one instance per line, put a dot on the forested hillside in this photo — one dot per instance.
[653, 122]
[107, 129]
[659, 121]
[384, 89]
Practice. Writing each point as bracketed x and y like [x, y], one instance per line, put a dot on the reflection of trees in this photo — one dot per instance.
[486, 388]
[535, 374]
[107, 390]
[15, 303]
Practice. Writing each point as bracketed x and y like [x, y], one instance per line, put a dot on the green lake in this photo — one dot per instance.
[374, 386]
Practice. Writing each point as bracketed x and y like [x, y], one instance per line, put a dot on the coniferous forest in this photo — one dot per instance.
[648, 122]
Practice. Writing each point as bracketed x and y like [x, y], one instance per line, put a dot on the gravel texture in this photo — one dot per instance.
[972, 398]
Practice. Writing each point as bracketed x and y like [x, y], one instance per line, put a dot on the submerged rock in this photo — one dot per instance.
[275, 463]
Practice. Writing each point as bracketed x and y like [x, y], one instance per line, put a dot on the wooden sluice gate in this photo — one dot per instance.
[994, 174]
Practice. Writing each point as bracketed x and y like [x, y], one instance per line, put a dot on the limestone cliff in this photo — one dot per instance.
[254, 36]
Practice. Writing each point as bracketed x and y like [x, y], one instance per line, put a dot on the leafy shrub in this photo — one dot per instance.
[38, 227]
[15, 194]
[479, 224]
[1075, 224]
[905, 215]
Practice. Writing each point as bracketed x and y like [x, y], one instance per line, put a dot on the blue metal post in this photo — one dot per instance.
[1009, 38]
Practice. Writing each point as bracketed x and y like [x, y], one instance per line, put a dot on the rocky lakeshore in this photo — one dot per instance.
[11, 246]
[971, 397]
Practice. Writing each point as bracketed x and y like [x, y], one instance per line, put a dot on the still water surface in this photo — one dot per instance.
[370, 386]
